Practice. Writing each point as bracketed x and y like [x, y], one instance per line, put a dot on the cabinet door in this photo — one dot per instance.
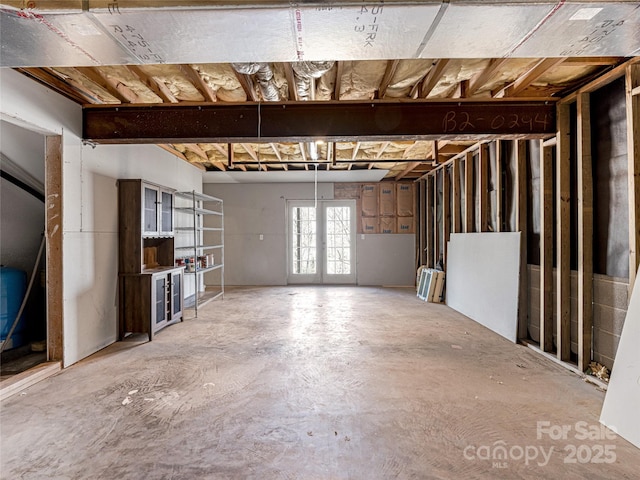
[166, 220]
[159, 295]
[151, 200]
[176, 295]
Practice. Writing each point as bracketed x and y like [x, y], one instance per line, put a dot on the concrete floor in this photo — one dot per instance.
[312, 383]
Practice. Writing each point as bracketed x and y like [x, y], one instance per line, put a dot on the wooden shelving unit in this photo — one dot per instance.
[206, 229]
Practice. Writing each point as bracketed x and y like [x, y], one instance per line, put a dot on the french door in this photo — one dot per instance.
[321, 241]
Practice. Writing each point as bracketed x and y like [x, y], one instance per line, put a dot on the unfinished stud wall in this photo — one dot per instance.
[547, 188]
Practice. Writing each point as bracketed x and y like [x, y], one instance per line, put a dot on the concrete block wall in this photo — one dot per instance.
[610, 299]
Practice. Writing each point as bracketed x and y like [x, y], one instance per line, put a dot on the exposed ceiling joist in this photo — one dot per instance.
[409, 168]
[309, 121]
[51, 79]
[433, 77]
[533, 74]
[194, 77]
[338, 85]
[112, 85]
[158, 87]
[291, 81]
[247, 85]
[392, 66]
[495, 65]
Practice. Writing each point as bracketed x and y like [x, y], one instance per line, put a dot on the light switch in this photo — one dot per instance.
[362, 236]
[261, 237]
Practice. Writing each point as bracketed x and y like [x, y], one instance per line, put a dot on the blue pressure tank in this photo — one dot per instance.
[13, 285]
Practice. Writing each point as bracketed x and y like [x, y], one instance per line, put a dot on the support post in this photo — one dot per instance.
[468, 192]
[632, 84]
[521, 226]
[483, 187]
[585, 232]
[563, 238]
[546, 248]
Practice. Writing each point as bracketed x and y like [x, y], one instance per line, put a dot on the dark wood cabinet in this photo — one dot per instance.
[151, 288]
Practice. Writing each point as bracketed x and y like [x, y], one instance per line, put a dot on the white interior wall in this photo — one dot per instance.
[89, 226]
[21, 214]
[254, 209]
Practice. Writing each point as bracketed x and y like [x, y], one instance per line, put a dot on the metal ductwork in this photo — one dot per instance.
[264, 75]
[304, 72]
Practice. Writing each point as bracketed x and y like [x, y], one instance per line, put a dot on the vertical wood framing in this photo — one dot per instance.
[546, 248]
[436, 229]
[521, 226]
[499, 187]
[429, 235]
[446, 212]
[455, 192]
[563, 237]
[585, 232]
[632, 82]
[53, 227]
[468, 193]
[422, 212]
[483, 187]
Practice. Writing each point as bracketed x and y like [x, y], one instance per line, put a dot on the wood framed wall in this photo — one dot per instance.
[466, 211]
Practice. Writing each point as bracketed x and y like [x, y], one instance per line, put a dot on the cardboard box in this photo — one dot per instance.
[387, 225]
[369, 225]
[369, 199]
[405, 225]
[387, 203]
[405, 200]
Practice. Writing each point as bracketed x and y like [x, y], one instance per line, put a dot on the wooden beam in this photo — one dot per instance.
[455, 194]
[392, 66]
[533, 74]
[585, 232]
[45, 77]
[602, 80]
[303, 152]
[632, 81]
[546, 248]
[276, 150]
[194, 148]
[203, 87]
[355, 151]
[54, 214]
[247, 85]
[433, 77]
[338, 83]
[469, 219]
[483, 187]
[220, 149]
[495, 64]
[158, 87]
[82, 92]
[429, 224]
[461, 90]
[112, 85]
[563, 236]
[306, 121]
[291, 81]
[230, 156]
[446, 212]
[23, 380]
[411, 166]
[592, 61]
[173, 151]
[521, 226]
[383, 147]
[499, 188]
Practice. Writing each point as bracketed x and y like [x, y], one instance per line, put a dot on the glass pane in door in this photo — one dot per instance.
[167, 212]
[161, 300]
[150, 210]
[338, 240]
[177, 293]
[304, 256]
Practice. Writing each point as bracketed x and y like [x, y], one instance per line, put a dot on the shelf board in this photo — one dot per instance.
[204, 270]
[199, 211]
[203, 197]
[200, 247]
[199, 229]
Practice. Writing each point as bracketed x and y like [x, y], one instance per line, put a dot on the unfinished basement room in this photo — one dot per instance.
[263, 239]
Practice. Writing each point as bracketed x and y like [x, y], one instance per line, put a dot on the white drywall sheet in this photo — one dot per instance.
[620, 411]
[483, 277]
